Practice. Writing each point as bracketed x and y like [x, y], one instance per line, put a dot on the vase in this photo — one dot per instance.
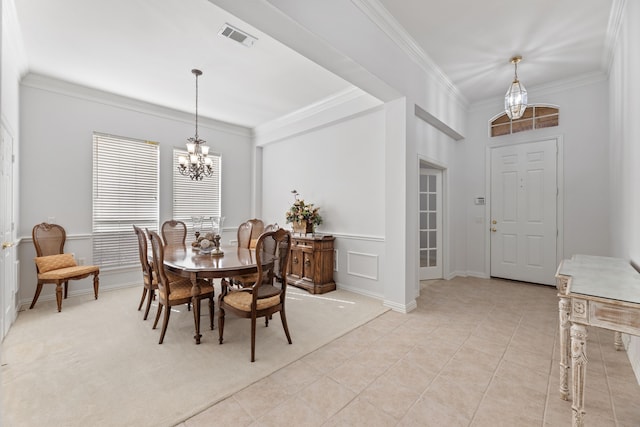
[303, 227]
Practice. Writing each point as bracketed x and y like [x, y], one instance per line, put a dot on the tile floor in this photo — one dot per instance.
[475, 352]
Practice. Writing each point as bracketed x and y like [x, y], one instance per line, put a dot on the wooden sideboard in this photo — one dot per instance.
[311, 263]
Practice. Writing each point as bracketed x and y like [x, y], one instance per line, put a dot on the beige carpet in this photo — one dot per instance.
[98, 363]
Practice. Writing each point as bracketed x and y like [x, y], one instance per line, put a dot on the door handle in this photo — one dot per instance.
[493, 229]
[6, 245]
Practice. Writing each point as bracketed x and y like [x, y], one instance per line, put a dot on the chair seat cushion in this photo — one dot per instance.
[54, 262]
[242, 301]
[181, 289]
[69, 272]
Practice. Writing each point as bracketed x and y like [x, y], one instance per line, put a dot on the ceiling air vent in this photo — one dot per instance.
[231, 32]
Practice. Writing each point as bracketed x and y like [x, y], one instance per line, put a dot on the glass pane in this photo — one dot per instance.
[424, 179]
[432, 221]
[432, 202]
[424, 258]
[423, 239]
[432, 184]
[424, 220]
[433, 256]
[424, 202]
[432, 239]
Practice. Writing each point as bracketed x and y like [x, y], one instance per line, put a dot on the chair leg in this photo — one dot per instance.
[59, 296]
[96, 285]
[66, 289]
[211, 306]
[284, 324]
[152, 295]
[220, 323]
[158, 313]
[144, 294]
[36, 296]
[165, 322]
[253, 339]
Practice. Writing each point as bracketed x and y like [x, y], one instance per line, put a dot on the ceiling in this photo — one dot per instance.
[145, 49]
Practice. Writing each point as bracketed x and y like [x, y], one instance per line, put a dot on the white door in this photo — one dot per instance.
[430, 224]
[523, 211]
[7, 253]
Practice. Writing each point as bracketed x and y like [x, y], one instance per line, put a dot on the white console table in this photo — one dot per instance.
[593, 291]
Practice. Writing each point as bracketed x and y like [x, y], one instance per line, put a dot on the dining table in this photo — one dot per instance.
[188, 261]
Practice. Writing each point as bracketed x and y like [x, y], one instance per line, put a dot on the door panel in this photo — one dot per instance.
[430, 223]
[523, 212]
[8, 285]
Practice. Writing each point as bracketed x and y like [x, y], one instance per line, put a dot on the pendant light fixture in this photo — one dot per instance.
[515, 100]
[197, 165]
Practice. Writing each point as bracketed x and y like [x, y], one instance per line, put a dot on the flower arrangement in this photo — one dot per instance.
[301, 211]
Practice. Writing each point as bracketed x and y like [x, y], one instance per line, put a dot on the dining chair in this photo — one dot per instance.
[248, 233]
[55, 266]
[175, 292]
[150, 282]
[265, 296]
[256, 230]
[174, 232]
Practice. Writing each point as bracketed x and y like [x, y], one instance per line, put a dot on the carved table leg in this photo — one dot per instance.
[617, 341]
[579, 369]
[565, 351]
[195, 292]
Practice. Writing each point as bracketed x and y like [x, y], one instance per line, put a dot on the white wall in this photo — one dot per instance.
[340, 168]
[625, 149]
[583, 127]
[57, 123]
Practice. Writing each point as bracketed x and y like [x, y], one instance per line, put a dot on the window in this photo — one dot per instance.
[534, 117]
[196, 198]
[125, 192]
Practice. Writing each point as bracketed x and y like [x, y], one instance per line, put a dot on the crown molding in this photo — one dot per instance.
[613, 31]
[67, 88]
[380, 16]
[338, 106]
[546, 89]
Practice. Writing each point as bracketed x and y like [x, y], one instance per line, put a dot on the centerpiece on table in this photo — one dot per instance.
[303, 216]
[209, 243]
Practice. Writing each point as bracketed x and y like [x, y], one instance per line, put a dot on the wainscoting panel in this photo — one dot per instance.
[362, 265]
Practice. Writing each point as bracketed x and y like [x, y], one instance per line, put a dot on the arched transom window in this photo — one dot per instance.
[534, 117]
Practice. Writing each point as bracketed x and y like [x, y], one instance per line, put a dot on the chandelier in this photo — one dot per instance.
[515, 100]
[196, 165]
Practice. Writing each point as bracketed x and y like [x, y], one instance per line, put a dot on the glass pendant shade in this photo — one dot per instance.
[515, 100]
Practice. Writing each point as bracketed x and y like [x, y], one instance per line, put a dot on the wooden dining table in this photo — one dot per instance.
[187, 261]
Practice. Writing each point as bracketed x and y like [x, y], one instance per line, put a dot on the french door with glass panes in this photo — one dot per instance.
[430, 224]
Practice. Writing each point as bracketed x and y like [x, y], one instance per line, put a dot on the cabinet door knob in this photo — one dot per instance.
[295, 259]
[307, 261]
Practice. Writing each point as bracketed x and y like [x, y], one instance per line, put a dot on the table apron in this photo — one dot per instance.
[607, 315]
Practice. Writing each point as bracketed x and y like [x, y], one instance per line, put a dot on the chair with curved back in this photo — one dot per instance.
[150, 283]
[265, 296]
[248, 233]
[174, 232]
[257, 228]
[175, 292]
[55, 266]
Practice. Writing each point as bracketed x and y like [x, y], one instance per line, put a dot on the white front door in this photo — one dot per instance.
[430, 224]
[523, 211]
[7, 252]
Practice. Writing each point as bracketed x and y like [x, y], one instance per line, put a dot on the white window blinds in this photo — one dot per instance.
[196, 198]
[125, 192]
